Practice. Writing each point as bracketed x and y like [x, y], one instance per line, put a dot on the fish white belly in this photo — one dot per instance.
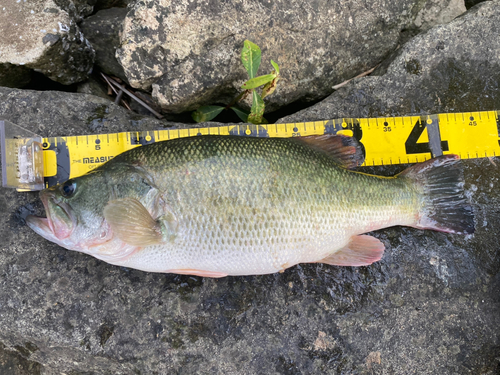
[255, 258]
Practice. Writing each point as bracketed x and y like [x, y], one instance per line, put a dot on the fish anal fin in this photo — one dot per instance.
[362, 250]
[346, 151]
[132, 223]
[202, 273]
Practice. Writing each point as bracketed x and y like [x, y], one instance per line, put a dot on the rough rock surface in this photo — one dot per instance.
[435, 12]
[69, 114]
[13, 363]
[39, 35]
[451, 68]
[77, 9]
[93, 86]
[430, 306]
[189, 51]
[102, 31]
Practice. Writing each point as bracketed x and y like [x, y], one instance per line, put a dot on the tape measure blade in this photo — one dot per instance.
[389, 140]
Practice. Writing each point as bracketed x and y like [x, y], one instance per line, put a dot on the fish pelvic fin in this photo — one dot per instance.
[346, 151]
[131, 222]
[445, 207]
[194, 272]
[362, 250]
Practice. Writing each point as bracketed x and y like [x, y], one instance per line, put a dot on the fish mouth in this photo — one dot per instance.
[59, 223]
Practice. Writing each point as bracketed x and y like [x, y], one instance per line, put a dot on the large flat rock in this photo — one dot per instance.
[188, 52]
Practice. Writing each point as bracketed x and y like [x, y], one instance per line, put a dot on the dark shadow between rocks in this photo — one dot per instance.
[40, 82]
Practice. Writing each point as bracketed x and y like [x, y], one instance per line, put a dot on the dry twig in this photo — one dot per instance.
[120, 89]
[358, 76]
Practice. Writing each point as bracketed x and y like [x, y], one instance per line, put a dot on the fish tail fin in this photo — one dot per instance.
[445, 207]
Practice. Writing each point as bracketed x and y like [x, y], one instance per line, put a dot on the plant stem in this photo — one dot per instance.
[241, 96]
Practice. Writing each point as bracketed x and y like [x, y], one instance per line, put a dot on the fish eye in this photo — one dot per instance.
[68, 188]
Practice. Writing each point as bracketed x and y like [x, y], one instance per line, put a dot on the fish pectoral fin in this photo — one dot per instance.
[188, 271]
[346, 151]
[132, 223]
[362, 250]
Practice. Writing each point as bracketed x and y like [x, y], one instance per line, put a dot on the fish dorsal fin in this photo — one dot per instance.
[362, 250]
[132, 223]
[346, 151]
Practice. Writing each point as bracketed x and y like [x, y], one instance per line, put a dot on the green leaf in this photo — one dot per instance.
[243, 115]
[276, 67]
[206, 113]
[258, 81]
[250, 57]
[269, 88]
[257, 111]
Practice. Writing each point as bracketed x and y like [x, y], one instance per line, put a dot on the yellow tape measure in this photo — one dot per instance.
[387, 140]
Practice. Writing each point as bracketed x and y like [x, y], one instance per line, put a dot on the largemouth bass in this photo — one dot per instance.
[221, 205]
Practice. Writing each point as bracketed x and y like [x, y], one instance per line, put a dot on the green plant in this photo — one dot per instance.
[250, 57]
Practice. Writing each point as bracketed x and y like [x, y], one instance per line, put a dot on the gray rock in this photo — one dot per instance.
[13, 363]
[451, 68]
[436, 12]
[94, 86]
[41, 36]
[102, 31]
[188, 52]
[77, 9]
[69, 114]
